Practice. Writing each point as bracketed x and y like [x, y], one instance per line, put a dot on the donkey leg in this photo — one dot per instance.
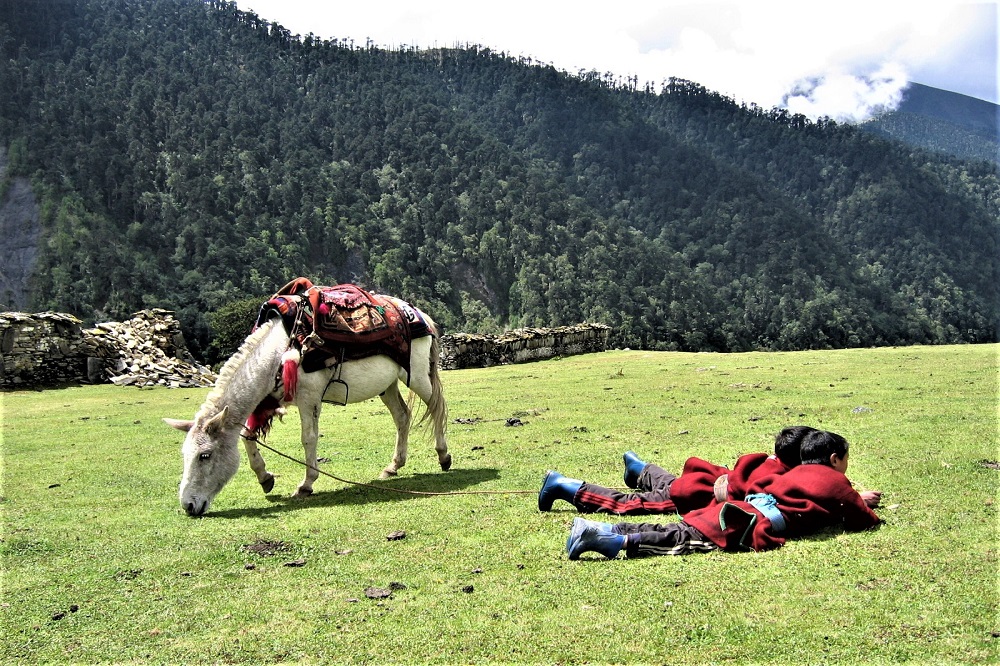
[441, 446]
[310, 435]
[401, 417]
[265, 478]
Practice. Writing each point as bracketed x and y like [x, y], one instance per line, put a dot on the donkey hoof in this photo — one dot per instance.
[268, 483]
[446, 463]
[387, 474]
[302, 493]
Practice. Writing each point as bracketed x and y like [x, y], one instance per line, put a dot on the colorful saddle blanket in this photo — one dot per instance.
[331, 325]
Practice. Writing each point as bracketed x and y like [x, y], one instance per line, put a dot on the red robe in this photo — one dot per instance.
[810, 498]
[695, 487]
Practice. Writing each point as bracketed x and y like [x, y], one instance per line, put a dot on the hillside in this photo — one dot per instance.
[944, 122]
[186, 155]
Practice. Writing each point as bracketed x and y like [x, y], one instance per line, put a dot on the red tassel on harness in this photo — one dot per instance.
[259, 422]
[290, 373]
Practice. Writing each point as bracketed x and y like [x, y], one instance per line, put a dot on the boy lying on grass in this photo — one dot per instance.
[700, 484]
[810, 497]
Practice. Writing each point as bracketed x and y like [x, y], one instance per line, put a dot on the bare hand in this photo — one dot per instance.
[872, 498]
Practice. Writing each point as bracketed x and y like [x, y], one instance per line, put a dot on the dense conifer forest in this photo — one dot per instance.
[188, 155]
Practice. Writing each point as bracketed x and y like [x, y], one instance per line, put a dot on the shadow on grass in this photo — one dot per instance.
[454, 481]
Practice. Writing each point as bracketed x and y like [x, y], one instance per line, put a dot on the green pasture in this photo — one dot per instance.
[100, 565]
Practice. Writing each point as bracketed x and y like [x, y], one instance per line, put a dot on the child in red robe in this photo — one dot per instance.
[700, 484]
[808, 498]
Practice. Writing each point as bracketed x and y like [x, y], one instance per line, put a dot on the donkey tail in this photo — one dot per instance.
[437, 408]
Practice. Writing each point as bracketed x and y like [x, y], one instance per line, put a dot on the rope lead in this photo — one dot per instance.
[426, 493]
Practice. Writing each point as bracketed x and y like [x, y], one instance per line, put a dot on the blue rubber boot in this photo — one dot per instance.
[633, 468]
[588, 535]
[556, 487]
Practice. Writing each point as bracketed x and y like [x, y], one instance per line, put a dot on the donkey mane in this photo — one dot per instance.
[231, 370]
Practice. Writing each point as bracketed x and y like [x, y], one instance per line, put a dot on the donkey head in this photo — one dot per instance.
[211, 458]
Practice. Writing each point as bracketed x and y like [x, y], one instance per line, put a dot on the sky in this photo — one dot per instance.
[844, 60]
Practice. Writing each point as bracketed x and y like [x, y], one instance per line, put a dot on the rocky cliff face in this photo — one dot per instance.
[19, 231]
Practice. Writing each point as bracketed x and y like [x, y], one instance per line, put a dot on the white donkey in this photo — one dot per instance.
[251, 377]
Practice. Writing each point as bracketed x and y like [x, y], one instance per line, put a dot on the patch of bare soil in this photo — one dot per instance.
[266, 548]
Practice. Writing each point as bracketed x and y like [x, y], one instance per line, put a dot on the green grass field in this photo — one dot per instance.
[100, 564]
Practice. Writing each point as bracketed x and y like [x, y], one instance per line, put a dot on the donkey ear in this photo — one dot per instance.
[215, 423]
[179, 424]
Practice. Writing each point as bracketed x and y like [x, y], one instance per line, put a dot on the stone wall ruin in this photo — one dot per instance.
[51, 348]
[467, 350]
[48, 349]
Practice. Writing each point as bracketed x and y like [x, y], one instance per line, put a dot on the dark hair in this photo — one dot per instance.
[788, 442]
[819, 445]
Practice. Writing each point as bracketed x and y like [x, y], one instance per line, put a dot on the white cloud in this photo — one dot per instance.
[848, 97]
[842, 60]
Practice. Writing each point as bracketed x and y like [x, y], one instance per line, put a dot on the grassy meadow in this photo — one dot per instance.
[100, 564]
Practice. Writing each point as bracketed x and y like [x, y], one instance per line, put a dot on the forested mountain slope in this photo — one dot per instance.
[187, 155]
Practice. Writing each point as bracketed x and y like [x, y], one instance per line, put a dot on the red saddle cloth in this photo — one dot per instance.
[344, 322]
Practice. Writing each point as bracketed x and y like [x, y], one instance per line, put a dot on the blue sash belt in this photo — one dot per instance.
[768, 505]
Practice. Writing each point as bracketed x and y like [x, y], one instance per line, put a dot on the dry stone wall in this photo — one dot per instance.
[467, 350]
[52, 348]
